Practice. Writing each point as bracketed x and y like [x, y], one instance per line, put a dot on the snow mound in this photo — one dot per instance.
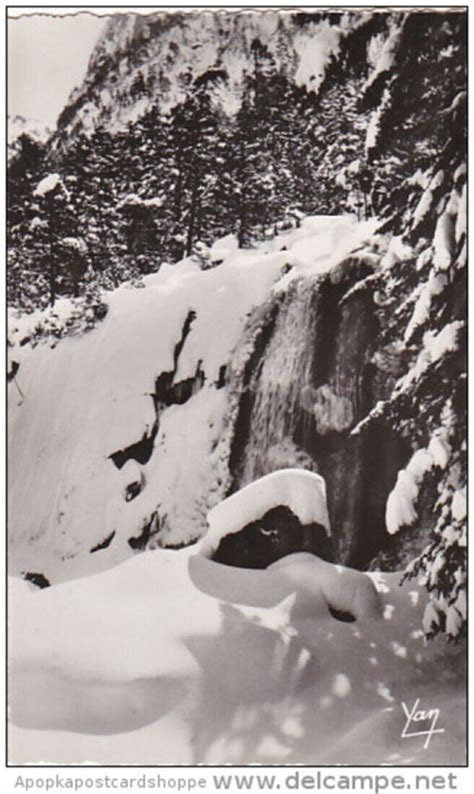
[170, 658]
[343, 589]
[302, 491]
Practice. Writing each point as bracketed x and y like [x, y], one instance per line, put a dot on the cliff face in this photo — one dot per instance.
[322, 369]
[141, 60]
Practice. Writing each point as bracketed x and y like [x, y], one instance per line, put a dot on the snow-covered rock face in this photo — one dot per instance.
[184, 661]
[140, 59]
[190, 389]
[314, 375]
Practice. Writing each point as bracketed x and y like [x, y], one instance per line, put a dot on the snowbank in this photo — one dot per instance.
[342, 589]
[322, 242]
[302, 491]
[173, 659]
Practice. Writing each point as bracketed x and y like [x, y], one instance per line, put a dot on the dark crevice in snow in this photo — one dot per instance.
[37, 579]
[191, 316]
[168, 393]
[220, 383]
[151, 527]
[276, 534]
[104, 544]
[12, 371]
[344, 617]
[132, 490]
[140, 451]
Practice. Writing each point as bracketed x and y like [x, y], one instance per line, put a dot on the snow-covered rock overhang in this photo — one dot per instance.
[303, 492]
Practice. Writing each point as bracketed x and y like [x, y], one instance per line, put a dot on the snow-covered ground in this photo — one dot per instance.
[171, 658]
[75, 403]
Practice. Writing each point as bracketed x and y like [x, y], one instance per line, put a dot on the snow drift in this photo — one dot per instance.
[171, 658]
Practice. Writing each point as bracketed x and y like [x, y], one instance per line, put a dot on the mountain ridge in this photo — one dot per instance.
[140, 59]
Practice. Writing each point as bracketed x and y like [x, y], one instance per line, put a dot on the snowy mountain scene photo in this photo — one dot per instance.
[236, 296]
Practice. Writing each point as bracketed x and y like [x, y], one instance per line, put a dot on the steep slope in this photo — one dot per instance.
[145, 428]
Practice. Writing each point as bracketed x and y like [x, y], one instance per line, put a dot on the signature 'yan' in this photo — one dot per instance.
[416, 716]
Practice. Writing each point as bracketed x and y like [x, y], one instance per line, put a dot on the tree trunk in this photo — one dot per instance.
[178, 191]
[192, 221]
[241, 222]
[52, 263]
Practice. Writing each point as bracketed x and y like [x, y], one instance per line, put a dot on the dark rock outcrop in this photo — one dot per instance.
[38, 579]
[279, 532]
[104, 544]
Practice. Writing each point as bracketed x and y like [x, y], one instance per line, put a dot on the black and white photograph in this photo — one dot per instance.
[236, 386]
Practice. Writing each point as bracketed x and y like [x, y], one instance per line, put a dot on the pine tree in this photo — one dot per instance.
[196, 138]
[53, 230]
[255, 177]
[23, 276]
[417, 149]
[409, 101]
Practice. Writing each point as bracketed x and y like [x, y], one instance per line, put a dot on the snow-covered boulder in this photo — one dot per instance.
[280, 513]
